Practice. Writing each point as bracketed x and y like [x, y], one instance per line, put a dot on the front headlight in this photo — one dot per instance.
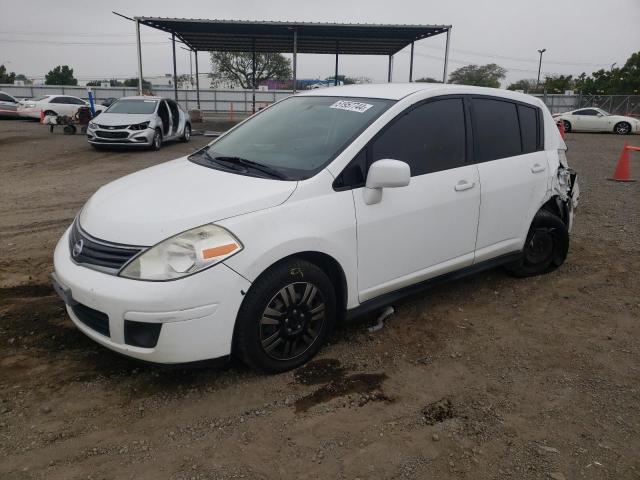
[184, 254]
[139, 126]
[30, 105]
[92, 125]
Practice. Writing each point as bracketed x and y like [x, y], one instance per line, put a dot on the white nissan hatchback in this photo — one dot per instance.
[321, 207]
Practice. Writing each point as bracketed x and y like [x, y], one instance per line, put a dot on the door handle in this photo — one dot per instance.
[463, 185]
[537, 168]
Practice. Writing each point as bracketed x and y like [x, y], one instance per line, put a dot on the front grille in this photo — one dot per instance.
[93, 319]
[91, 251]
[112, 134]
[113, 127]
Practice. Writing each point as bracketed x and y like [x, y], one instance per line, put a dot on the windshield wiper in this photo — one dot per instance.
[251, 164]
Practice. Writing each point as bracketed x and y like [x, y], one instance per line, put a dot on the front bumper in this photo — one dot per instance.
[197, 313]
[100, 136]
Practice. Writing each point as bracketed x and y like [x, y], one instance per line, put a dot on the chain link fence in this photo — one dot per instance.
[240, 101]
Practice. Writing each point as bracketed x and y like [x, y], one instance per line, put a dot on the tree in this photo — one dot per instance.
[61, 75]
[112, 83]
[133, 82]
[237, 68]
[6, 77]
[558, 83]
[428, 80]
[480, 75]
[526, 85]
[22, 77]
[617, 81]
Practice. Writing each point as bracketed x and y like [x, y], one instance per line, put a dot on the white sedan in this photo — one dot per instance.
[597, 120]
[53, 105]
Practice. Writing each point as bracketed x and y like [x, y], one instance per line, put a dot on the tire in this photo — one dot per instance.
[622, 128]
[156, 142]
[546, 246]
[274, 334]
[50, 112]
[186, 136]
[567, 126]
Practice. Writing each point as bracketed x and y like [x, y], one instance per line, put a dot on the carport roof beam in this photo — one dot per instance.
[275, 37]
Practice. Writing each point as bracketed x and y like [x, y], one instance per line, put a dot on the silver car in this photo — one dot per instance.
[8, 106]
[143, 121]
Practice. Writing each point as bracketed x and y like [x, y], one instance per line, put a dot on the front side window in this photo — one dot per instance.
[296, 137]
[589, 112]
[75, 101]
[133, 106]
[496, 129]
[59, 100]
[429, 137]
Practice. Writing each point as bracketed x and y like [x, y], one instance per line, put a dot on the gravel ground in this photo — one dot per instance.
[485, 378]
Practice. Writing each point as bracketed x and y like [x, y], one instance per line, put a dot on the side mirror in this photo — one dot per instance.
[385, 173]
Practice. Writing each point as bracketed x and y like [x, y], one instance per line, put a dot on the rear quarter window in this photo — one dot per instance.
[528, 128]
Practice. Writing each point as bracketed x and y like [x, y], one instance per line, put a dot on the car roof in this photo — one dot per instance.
[143, 97]
[396, 91]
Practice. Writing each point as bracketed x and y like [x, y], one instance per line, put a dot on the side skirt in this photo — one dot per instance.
[391, 297]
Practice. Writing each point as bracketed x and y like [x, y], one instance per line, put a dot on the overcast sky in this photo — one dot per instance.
[579, 35]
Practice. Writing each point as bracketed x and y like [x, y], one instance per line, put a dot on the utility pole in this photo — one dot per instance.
[539, 67]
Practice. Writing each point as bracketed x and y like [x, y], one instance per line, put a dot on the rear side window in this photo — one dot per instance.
[430, 137]
[528, 128]
[496, 129]
[6, 98]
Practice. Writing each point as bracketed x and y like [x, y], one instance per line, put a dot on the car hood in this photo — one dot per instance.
[156, 203]
[112, 119]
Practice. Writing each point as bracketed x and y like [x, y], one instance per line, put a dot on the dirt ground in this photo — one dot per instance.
[486, 378]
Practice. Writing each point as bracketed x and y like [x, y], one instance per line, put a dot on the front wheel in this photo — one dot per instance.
[285, 317]
[567, 126]
[156, 142]
[186, 136]
[546, 246]
[622, 128]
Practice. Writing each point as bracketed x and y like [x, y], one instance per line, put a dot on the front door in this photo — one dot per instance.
[588, 120]
[428, 227]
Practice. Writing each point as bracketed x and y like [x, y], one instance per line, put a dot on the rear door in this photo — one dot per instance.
[428, 227]
[509, 151]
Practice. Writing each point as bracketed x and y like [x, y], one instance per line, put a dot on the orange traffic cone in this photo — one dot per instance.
[41, 116]
[561, 128]
[623, 167]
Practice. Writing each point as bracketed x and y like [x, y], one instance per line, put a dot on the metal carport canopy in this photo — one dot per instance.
[295, 37]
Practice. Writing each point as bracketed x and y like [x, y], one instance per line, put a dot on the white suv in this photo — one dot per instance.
[319, 208]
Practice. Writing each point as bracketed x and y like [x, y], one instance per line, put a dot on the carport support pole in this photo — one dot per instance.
[295, 60]
[390, 71]
[446, 57]
[335, 76]
[175, 70]
[139, 57]
[253, 77]
[411, 65]
[195, 54]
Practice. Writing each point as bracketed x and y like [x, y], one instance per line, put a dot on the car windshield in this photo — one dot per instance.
[602, 112]
[133, 106]
[298, 136]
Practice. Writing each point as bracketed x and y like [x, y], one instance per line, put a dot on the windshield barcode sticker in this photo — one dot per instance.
[351, 106]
